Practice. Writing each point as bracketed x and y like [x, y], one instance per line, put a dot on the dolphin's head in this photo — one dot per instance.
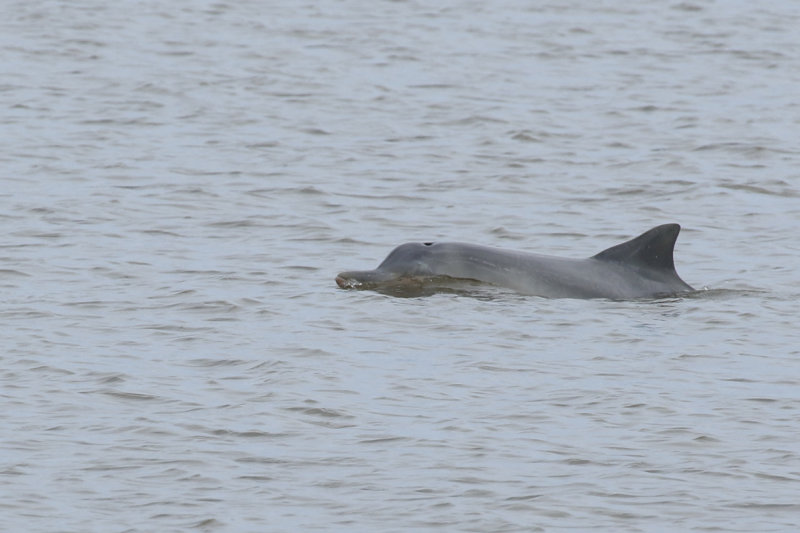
[405, 264]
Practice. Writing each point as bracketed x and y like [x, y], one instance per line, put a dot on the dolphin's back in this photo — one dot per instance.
[639, 268]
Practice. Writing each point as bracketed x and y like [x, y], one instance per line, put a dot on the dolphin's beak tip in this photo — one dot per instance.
[345, 282]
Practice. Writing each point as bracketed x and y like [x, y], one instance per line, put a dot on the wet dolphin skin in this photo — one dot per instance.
[642, 267]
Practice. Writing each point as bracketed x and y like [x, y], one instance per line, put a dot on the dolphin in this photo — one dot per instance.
[642, 267]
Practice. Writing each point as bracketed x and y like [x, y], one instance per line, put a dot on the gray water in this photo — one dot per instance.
[180, 182]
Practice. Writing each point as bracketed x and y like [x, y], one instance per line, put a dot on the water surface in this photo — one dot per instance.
[181, 183]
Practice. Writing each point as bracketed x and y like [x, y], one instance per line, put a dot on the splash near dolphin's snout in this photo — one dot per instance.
[347, 283]
[363, 279]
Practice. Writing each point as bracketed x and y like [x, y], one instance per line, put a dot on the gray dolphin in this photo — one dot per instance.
[639, 268]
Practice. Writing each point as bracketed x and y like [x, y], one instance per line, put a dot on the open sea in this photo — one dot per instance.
[180, 183]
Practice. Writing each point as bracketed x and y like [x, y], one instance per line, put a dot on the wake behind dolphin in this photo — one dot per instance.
[642, 267]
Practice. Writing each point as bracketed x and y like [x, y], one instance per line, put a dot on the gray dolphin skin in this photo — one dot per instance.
[639, 268]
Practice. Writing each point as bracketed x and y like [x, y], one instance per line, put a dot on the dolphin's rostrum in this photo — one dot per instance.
[639, 268]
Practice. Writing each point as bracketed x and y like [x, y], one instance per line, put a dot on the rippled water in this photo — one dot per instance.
[181, 182]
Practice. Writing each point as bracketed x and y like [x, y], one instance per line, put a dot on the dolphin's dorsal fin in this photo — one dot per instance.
[652, 249]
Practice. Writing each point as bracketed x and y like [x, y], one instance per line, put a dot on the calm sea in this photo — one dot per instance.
[180, 182]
